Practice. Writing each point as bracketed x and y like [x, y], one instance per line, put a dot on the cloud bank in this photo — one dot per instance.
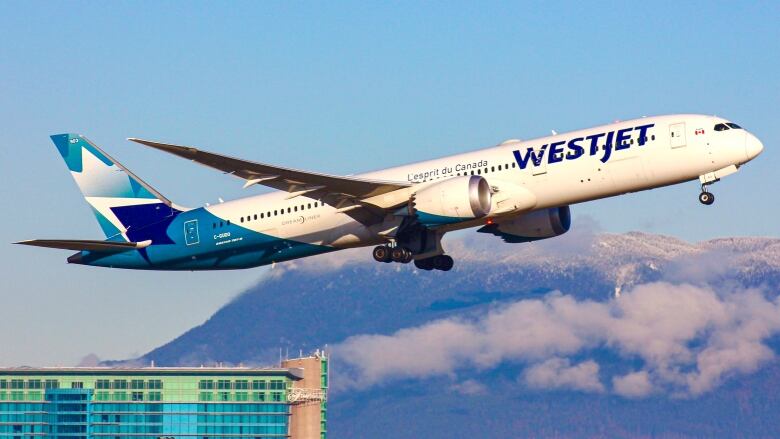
[687, 338]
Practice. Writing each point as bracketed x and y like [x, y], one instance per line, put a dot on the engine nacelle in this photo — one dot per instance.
[533, 226]
[453, 200]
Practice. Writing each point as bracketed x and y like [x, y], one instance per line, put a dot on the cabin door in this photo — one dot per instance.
[677, 135]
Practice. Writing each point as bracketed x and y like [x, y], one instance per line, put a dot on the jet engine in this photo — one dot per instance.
[541, 224]
[453, 200]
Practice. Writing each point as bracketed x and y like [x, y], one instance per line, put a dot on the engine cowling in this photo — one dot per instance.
[541, 224]
[453, 200]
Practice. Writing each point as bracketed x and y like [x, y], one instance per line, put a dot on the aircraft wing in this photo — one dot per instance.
[285, 179]
[82, 244]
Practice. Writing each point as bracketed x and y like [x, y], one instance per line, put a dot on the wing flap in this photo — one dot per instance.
[281, 178]
[89, 245]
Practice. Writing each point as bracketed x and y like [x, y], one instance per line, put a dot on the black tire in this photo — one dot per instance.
[443, 262]
[706, 198]
[398, 254]
[424, 264]
[381, 253]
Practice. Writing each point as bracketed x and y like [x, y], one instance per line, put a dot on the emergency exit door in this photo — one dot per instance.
[191, 236]
[677, 135]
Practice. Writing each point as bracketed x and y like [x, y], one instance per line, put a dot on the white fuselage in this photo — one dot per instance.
[677, 148]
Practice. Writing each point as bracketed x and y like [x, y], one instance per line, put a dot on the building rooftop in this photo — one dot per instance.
[294, 373]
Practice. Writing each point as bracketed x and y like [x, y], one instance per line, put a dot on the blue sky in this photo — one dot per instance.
[339, 88]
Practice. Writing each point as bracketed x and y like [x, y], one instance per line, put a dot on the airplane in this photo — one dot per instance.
[519, 191]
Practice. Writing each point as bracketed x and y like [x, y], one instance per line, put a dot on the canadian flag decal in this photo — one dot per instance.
[699, 131]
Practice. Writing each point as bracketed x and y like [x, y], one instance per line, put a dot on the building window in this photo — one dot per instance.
[3, 384]
[276, 396]
[155, 396]
[206, 385]
[102, 384]
[259, 385]
[17, 396]
[137, 384]
[77, 385]
[154, 384]
[17, 384]
[52, 384]
[277, 385]
[120, 384]
[206, 396]
[34, 384]
[120, 396]
[223, 396]
[223, 385]
[258, 396]
[241, 385]
[137, 396]
[101, 396]
[241, 396]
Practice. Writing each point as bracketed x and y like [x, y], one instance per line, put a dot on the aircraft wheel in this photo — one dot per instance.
[381, 253]
[443, 262]
[401, 254]
[424, 264]
[706, 198]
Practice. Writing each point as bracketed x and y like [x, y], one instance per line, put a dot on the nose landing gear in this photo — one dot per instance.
[705, 197]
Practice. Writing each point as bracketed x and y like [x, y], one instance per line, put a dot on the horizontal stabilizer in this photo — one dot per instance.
[89, 245]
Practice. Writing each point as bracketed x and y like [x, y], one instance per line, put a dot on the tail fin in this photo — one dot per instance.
[122, 202]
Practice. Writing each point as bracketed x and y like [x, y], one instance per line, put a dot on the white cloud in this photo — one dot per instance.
[688, 338]
[558, 373]
[470, 388]
[633, 385]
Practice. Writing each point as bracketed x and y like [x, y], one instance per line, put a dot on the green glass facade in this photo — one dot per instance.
[186, 403]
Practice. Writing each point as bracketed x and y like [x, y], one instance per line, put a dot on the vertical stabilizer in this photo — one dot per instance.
[122, 202]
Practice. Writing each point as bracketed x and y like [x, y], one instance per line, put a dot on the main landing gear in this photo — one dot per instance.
[403, 255]
[705, 197]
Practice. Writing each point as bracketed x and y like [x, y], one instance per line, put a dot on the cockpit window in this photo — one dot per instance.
[733, 125]
[721, 127]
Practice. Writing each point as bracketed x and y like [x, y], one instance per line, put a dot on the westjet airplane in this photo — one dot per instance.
[519, 191]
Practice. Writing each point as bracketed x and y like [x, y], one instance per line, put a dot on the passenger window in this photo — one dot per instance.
[255, 216]
[262, 216]
[221, 224]
[492, 169]
[288, 210]
[228, 222]
[242, 219]
[294, 208]
[276, 212]
[733, 125]
[309, 205]
[652, 137]
[499, 167]
[721, 127]
[213, 225]
[513, 165]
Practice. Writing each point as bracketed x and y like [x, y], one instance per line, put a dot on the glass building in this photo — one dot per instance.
[155, 402]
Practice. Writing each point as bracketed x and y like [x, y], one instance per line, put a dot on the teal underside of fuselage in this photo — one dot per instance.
[431, 220]
[194, 243]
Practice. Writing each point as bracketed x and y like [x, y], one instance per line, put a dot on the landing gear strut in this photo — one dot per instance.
[705, 197]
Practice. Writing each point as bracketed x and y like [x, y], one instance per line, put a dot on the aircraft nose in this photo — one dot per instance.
[753, 146]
